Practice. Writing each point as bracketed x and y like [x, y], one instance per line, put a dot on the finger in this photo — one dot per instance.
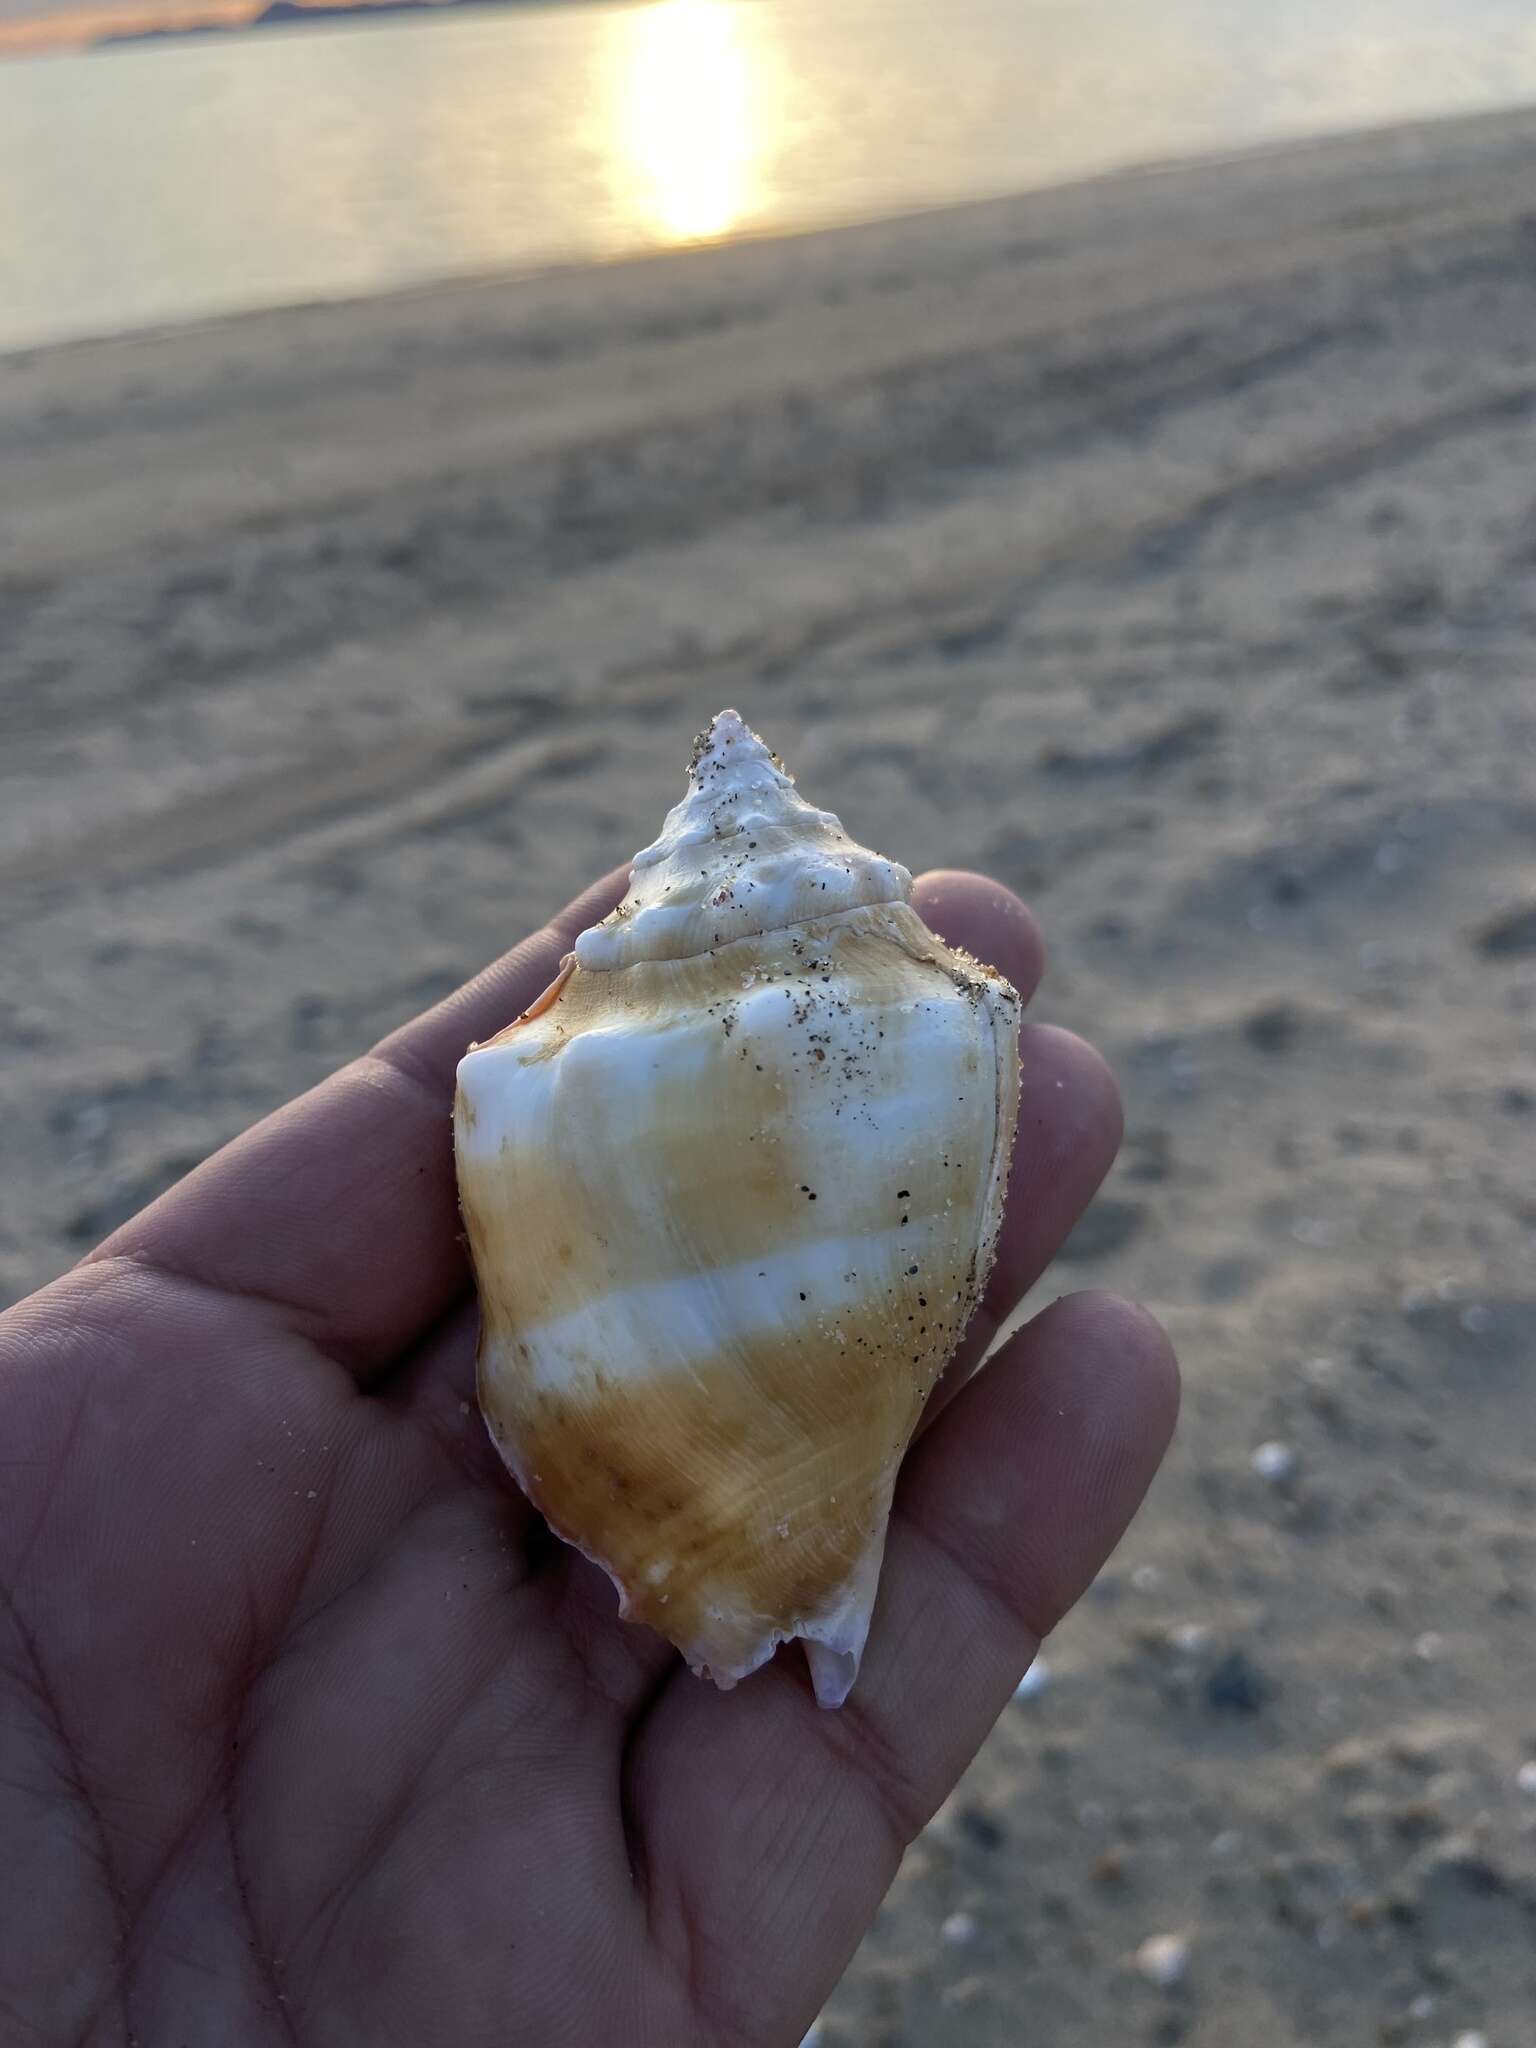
[340, 1211]
[1069, 1130]
[984, 919]
[432, 1045]
[1064, 1147]
[771, 1828]
[1070, 1126]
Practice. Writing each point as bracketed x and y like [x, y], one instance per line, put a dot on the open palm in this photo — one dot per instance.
[310, 1733]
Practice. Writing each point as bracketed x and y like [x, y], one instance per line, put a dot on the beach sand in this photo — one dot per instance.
[1165, 546]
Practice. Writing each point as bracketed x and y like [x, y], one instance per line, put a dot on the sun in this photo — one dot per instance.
[687, 117]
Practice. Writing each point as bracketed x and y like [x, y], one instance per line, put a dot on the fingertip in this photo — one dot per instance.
[1070, 1123]
[1068, 1082]
[1134, 1346]
[985, 919]
[434, 1042]
[1059, 1437]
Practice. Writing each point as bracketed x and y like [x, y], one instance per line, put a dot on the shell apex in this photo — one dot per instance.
[741, 854]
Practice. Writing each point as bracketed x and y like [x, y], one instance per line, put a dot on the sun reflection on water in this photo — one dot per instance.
[687, 120]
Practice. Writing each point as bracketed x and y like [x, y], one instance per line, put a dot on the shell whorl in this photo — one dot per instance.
[740, 855]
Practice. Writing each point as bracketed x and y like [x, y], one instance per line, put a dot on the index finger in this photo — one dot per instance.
[340, 1210]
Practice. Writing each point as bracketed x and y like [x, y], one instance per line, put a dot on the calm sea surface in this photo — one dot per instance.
[169, 181]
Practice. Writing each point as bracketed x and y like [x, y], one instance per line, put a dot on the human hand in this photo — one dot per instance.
[309, 1731]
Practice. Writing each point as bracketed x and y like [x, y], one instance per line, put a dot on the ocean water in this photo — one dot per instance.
[164, 182]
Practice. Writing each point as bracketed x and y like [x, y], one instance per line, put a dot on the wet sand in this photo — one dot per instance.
[1166, 546]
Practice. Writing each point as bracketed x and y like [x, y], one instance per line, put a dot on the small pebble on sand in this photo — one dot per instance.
[1274, 1461]
[1525, 1778]
[1189, 1638]
[1236, 1685]
[1316, 1231]
[1034, 1681]
[1473, 2040]
[1163, 1960]
[1428, 1647]
[959, 1930]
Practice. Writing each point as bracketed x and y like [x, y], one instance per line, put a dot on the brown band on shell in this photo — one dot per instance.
[661, 1481]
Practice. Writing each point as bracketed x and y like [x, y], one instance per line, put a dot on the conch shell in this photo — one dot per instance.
[732, 1188]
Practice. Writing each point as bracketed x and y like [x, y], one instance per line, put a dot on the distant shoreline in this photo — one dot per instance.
[295, 14]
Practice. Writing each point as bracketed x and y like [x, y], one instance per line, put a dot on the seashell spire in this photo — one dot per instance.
[732, 1188]
[743, 853]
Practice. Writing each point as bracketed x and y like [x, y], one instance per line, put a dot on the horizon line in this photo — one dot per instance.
[89, 28]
